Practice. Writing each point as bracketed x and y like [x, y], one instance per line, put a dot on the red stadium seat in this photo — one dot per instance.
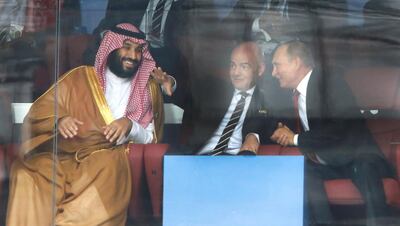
[139, 203]
[153, 162]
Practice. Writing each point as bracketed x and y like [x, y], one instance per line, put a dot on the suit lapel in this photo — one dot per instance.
[225, 103]
[252, 111]
[313, 100]
[257, 106]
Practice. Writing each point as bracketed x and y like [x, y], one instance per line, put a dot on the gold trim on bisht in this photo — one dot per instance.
[98, 95]
[157, 102]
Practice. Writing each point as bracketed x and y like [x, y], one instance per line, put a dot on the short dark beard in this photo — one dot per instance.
[114, 62]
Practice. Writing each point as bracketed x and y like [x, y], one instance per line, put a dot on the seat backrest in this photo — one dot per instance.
[172, 118]
[173, 113]
[377, 92]
[20, 110]
[375, 87]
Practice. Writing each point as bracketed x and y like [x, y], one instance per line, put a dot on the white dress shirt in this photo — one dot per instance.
[117, 96]
[235, 142]
[302, 105]
[302, 89]
[147, 22]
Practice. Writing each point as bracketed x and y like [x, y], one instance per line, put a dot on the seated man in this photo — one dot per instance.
[219, 117]
[79, 174]
[330, 133]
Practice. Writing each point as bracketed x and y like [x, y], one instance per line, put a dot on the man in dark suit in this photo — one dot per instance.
[330, 133]
[223, 113]
[162, 22]
[269, 21]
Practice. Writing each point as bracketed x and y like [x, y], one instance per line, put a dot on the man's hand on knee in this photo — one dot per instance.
[118, 129]
[68, 126]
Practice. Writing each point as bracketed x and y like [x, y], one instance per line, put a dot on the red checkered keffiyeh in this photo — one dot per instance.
[139, 105]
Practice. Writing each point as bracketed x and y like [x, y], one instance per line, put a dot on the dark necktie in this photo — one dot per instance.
[230, 127]
[157, 19]
[312, 156]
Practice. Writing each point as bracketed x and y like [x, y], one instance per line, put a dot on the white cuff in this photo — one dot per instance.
[296, 140]
[140, 135]
[256, 135]
[134, 129]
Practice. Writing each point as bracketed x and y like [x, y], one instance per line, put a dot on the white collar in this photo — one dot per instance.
[249, 91]
[302, 86]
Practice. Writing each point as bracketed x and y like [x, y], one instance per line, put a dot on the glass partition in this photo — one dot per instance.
[79, 93]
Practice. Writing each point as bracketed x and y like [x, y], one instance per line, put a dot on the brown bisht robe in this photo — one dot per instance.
[91, 184]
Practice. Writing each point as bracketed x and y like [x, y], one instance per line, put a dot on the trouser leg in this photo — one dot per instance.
[317, 200]
[367, 172]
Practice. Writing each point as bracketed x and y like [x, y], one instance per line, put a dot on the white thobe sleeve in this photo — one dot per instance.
[140, 135]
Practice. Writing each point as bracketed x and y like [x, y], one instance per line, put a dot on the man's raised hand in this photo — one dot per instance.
[162, 78]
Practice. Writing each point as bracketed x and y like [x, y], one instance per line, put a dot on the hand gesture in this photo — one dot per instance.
[250, 143]
[68, 126]
[117, 129]
[163, 79]
[283, 135]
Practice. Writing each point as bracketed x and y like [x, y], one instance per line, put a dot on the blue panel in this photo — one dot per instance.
[233, 190]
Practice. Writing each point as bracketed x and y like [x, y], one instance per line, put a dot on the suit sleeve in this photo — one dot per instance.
[262, 122]
[265, 129]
